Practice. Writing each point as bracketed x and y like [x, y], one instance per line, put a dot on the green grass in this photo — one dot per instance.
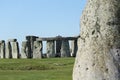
[36, 69]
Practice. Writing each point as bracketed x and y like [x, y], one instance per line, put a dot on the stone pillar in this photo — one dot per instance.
[31, 40]
[74, 48]
[2, 49]
[8, 53]
[50, 49]
[24, 50]
[65, 49]
[98, 56]
[58, 48]
[37, 50]
[15, 48]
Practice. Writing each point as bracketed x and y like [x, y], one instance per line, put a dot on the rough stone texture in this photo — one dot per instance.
[65, 49]
[8, 53]
[12, 40]
[24, 50]
[15, 50]
[58, 48]
[37, 50]
[98, 54]
[74, 48]
[2, 49]
[31, 40]
[50, 49]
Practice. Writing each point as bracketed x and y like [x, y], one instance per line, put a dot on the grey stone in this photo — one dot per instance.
[12, 40]
[24, 50]
[58, 48]
[15, 50]
[8, 53]
[37, 50]
[65, 49]
[74, 48]
[31, 40]
[50, 49]
[99, 43]
[2, 49]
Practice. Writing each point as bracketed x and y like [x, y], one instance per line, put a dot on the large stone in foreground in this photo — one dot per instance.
[98, 56]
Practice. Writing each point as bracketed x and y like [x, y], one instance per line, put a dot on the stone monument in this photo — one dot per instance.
[98, 56]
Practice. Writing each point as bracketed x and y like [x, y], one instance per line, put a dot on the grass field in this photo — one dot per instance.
[36, 69]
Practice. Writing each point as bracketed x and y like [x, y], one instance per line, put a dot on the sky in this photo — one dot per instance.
[43, 18]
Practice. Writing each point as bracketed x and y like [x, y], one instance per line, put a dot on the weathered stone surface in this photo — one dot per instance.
[58, 48]
[65, 49]
[15, 50]
[8, 49]
[74, 48]
[2, 49]
[24, 50]
[12, 40]
[50, 49]
[31, 40]
[37, 50]
[56, 38]
[98, 56]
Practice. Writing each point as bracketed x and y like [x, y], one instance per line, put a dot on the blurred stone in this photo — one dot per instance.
[12, 40]
[2, 49]
[58, 48]
[65, 49]
[50, 49]
[74, 48]
[15, 50]
[37, 50]
[31, 40]
[24, 49]
[8, 53]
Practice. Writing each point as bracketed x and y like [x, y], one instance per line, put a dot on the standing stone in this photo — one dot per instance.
[50, 49]
[15, 50]
[24, 50]
[58, 48]
[31, 40]
[74, 48]
[37, 50]
[2, 49]
[8, 53]
[65, 49]
[98, 56]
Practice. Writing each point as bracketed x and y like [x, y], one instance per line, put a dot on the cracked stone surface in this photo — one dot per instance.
[98, 56]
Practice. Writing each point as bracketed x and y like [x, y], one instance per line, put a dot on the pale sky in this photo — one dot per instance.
[42, 18]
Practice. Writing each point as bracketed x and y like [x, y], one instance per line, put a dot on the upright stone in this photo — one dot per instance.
[50, 49]
[24, 49]
[98, 56]
[15, 50]
[8, 53]
[74, 48]
[65, 49]
[58, 48]
[31, 40]
[37, 50]
[2, 49]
